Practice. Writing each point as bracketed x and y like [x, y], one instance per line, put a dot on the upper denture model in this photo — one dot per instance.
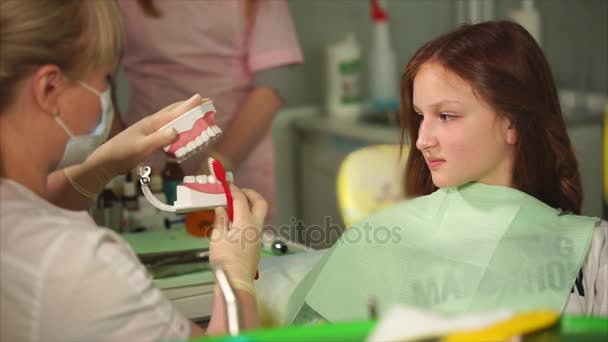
[196, 128]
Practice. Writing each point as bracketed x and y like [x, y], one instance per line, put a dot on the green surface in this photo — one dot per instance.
[571, 328]
[352, 331]
[162, 241]
[580, 324]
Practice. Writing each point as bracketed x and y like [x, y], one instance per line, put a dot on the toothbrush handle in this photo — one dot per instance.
[220, 173]
[229, 202]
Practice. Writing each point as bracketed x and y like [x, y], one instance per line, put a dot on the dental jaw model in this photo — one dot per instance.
[196, 129]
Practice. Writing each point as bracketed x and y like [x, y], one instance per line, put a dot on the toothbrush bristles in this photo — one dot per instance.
[210, 165]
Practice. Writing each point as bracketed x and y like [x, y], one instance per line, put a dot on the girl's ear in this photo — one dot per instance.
[510, 132]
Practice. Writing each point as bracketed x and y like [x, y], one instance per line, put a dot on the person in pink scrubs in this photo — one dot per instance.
[239, 53]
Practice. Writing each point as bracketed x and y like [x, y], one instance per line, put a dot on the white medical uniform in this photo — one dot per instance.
[62, 278]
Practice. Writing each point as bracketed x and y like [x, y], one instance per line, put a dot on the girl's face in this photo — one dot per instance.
[461, 137]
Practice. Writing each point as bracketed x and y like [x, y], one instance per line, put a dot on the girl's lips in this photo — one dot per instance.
[434, 163]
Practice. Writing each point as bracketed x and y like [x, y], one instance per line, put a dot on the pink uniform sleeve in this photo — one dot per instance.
[273, 41]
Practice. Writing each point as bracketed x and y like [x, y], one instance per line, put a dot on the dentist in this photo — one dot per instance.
[64, 278]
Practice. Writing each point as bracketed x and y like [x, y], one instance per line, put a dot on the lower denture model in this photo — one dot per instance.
[196, 128]
[202, 191]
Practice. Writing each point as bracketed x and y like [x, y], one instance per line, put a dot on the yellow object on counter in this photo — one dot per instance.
[518, 325]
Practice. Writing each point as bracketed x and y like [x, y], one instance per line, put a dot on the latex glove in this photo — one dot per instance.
[237, 245]
[127, 149]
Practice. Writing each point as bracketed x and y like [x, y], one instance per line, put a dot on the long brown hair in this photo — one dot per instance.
[507, 68]
[151, 10]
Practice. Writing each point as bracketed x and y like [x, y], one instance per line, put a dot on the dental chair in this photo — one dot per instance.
[370, 179]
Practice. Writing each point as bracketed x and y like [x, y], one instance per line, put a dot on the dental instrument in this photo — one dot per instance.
[372, 308]
[232, 303]
[164, 265]
[168, 222]
[174, 258]
[278, 247]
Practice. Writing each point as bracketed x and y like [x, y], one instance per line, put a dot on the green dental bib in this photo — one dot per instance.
[459, 250]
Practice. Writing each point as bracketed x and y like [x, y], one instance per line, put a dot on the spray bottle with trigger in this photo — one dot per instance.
[383, 75]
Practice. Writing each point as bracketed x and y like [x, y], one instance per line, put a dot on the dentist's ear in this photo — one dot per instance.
[46, 84]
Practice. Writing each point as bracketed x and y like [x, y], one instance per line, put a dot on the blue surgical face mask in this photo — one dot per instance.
[79, 147]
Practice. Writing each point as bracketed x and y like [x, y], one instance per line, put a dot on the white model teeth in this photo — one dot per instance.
[183, 152]
[217, 129]
[205, 179]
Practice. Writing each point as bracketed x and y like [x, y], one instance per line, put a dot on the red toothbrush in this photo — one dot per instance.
[220, 174]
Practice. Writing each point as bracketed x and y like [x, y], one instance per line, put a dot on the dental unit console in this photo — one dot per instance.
[195, 130]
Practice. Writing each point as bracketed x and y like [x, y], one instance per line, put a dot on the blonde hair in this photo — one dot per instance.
[78, 36]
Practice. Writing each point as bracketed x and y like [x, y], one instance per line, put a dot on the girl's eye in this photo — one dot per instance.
[446, 117]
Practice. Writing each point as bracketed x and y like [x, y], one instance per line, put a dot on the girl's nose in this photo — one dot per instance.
[426, 138]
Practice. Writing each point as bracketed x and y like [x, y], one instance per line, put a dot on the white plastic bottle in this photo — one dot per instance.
[343, 92]
[384, 87]
[528, 17]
